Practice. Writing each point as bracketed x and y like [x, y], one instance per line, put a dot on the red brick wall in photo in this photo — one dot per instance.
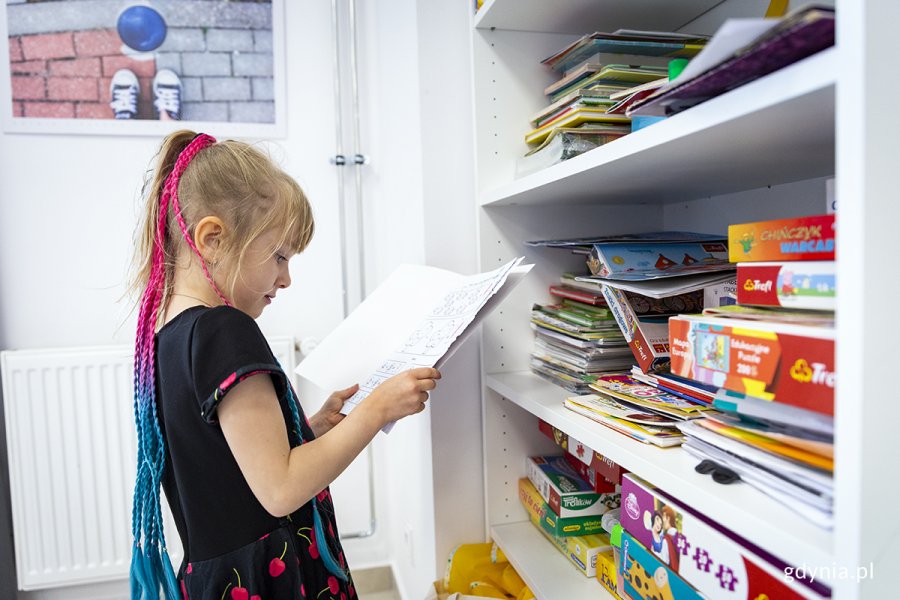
[67, 75]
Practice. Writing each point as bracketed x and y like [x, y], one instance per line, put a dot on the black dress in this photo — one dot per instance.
[234, 549]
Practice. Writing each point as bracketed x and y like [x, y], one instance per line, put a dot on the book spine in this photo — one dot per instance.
[802, 238]
[792, 284]
[792, 369]
[644, 352]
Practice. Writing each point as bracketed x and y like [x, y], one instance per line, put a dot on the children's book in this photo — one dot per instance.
[624, 76]
[600, 409]
[634, 392]
[641, 261]
[575, 118]
[417, 318]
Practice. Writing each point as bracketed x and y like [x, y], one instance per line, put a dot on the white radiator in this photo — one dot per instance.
[71, 445]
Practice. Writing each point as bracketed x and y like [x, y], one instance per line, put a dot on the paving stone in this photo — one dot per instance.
[48, 45]
[28, 67]
[229, 40]
[183, 40]
[252, 112]
[262, 41]
[15, 50]
[168, 60]
[141, 68]
[75, 67]
[253, 64]
[237, 15]
[192, 88]
[28, 87]
[100, 42]
[263, 88]
[206, 63]
[226, 88]
[204, 111]
[72, 88]
[53, 110]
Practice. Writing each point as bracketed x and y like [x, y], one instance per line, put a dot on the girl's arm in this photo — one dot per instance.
[282, 478]
[330, 413]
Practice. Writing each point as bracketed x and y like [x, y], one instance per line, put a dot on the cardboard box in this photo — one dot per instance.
[606, 570]
[802, 238]
[715, 561]
[567, 494]
[642, 576]
[602, 472]
[802, 284]
[791, 364]
[549, 521]
[581, 550]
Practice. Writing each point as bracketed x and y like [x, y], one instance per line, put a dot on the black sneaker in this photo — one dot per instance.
[123, 93]
[167, 94]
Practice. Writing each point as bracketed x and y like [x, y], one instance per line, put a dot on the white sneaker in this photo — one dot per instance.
[123, 93]
[167, 93]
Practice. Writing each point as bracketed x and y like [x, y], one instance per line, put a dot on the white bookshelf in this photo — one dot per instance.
[547, 572]
[758, 152]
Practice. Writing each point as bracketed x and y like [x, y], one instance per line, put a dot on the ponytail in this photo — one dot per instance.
[151, 567]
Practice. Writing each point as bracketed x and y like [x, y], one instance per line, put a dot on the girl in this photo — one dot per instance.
[245, 473]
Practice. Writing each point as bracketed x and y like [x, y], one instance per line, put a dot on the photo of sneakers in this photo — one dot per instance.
[167, 92]
[123, 92]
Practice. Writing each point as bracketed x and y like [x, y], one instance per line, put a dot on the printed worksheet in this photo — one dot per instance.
[417, 318]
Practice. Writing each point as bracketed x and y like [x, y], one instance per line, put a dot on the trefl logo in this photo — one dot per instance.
[815, 373]
[755, 285]
[631, 506]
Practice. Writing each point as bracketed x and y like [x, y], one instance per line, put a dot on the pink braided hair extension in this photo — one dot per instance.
[170, 192]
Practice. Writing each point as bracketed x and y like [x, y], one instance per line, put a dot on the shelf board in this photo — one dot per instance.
[741, 508]
[548, 573]
[581, 17]
[774, 130]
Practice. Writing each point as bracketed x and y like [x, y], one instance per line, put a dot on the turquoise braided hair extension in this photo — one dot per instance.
[324, 551]
[151, 567]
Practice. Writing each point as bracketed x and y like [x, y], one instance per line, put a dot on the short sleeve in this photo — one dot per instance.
[227, 346]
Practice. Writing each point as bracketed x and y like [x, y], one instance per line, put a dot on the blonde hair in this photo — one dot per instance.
[233, 181]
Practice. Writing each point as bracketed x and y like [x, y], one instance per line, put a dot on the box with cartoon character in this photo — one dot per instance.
[642, 576]
[800, 238]
[792, 364]
[715, 561]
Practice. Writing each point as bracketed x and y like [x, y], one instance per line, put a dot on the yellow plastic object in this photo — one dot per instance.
[510, 581]
[776, 9]
[468, 563]
[525, 594]
[497, 555]
[483, 589]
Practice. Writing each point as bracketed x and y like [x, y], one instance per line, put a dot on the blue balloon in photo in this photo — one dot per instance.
[141, 28]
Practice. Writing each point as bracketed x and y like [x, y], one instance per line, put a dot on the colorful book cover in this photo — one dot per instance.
[617, 260]
[791, 364]
[705, 555]
[664, 437]
[648, 337]
[550, 521]
[567, 494]
[642, 576]
[801, 238]
[791, 284]
[635, 392]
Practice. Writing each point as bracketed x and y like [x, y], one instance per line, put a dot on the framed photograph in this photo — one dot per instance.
[126, 67]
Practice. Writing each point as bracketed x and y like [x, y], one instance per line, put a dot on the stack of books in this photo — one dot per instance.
[578, 116]
[576, 339]
[646, 278]
[772, 367]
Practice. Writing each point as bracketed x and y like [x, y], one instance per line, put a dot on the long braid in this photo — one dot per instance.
[151, 568]
[324, 550]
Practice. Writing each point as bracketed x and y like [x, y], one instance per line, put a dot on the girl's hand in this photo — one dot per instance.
[330, 413]
[404, 394]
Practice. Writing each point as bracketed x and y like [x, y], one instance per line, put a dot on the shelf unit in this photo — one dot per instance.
[758, 152]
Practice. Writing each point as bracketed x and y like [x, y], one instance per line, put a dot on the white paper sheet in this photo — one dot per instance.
[416, 318]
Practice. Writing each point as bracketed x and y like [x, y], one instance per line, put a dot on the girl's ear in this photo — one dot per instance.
[208, 236]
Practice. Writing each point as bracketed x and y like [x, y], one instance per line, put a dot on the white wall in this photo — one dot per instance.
[68, 205]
